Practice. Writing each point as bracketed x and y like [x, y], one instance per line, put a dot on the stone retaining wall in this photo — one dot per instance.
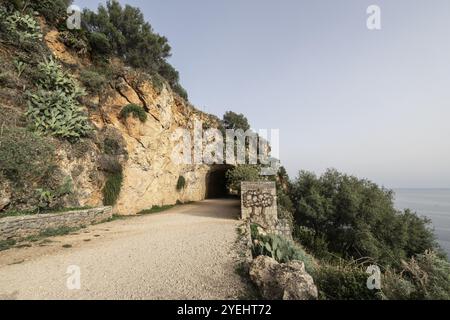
[259, 206]
[259, 203]
[25, 226]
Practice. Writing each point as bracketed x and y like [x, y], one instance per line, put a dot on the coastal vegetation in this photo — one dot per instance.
[342, 225]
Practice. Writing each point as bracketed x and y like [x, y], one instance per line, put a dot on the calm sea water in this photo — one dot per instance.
[432, 203]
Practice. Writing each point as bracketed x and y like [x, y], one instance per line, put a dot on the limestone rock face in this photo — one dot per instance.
[287, 281]
[149, 173]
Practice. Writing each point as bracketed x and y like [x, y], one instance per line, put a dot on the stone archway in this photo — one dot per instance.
[216, 182]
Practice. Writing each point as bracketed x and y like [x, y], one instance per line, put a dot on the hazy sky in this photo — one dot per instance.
[371, 103]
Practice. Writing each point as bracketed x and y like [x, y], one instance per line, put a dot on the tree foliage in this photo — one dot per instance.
[355, 218]
[240, 174]
[235, 121]
[123, 32]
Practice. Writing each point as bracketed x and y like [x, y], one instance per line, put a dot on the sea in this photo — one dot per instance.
[431, 203]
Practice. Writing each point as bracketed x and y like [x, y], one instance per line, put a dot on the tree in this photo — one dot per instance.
[356, 218]
[240, 174]
[235, 121]
[123, 31]
[130, 36]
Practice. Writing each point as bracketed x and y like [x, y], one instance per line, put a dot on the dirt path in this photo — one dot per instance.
[187, 252]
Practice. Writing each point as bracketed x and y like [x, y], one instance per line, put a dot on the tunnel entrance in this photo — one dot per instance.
[216, 182]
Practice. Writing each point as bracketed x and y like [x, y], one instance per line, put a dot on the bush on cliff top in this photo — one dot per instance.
[240, 174]
[123, 32]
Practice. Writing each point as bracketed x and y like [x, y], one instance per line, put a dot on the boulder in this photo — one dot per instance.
[262, 274]
[288, 281]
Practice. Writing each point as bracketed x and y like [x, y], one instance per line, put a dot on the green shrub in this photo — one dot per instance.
[157, 82]
[112, 147]
[355, 218]
[53, 108]
[178, 89]
[345, 281]
[75, 40]
[134, 110]
[54, 78]
[240, 174]
[7, 244]
[316, 243]
[424, 277]
[234, 121]
[181, 183]
[93, 81]
[128, 35]
[18, 27]
[99, 43]
[54, 11]
[113, 143]
[172, 76]
[20, 67]
[123, 32]
[111, 190]
[110, 164]
[25, 156]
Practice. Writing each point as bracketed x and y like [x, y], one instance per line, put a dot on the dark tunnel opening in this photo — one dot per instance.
[216, 182]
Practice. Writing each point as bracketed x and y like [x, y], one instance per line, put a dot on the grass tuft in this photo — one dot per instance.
[134, 110]
[112, 188]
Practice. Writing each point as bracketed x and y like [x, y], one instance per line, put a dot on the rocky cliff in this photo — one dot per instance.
[150, 175]
[142, 149]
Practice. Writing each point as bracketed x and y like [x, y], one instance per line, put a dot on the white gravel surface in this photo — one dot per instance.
[187, 252]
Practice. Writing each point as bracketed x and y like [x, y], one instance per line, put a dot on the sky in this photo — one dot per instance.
[375, 104]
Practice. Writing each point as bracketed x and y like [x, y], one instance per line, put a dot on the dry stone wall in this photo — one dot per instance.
[24, 226]
[259, 205]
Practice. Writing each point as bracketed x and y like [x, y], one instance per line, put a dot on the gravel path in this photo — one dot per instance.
[187, 252]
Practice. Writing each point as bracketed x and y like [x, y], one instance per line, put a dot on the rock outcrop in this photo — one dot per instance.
[141, 150]
[149, 174]
[277, 281]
